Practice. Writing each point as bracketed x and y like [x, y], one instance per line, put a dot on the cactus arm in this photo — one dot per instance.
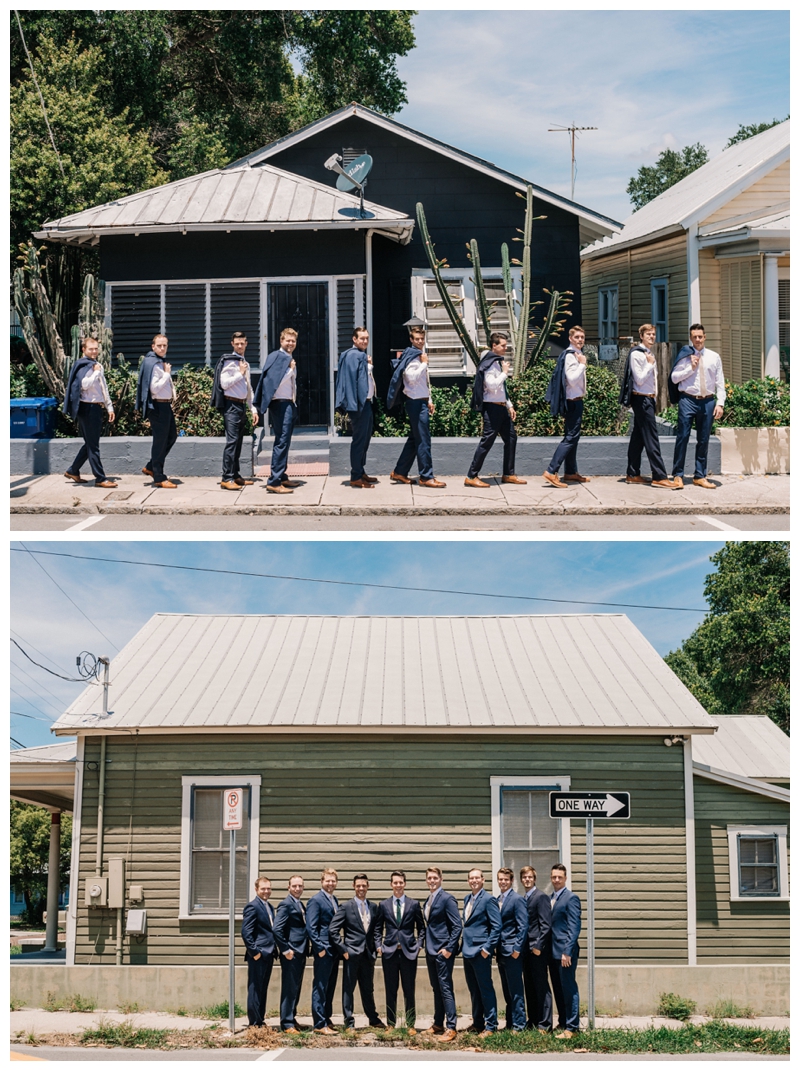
[525, 302]
[480, 292]
[508, 289]
[447, 301]
[557, 308]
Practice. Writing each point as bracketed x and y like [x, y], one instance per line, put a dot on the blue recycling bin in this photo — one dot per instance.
[33, 418]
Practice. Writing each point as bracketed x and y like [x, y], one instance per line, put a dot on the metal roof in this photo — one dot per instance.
[562, 673]
[703, 191]
[44, 776]
[592, 224]
[232, 198]
[751, 745]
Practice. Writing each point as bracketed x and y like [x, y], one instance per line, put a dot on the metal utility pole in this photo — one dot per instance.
[571, 130]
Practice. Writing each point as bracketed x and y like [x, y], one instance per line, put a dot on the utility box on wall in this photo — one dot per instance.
[116, 883]
[97, 891]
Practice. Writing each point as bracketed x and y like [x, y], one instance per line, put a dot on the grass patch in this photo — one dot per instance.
[220, 1011]
[675, 1007]
[73, 1002]
[124, 1035]
[729, 1009]
[128, 1007]
[17, 1004]
[16, 950]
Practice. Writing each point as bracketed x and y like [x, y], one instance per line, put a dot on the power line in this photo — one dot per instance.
[33, 647]
[73, 680]
[19, 714]
[361, 583]
[24, 698]
[41, 101]
[33, 680]
[15, 741]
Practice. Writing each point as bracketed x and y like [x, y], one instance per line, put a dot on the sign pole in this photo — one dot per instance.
[232, 933]
[590, 915]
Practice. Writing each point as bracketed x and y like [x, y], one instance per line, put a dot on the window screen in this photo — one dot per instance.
[758, 866]
[135, 318]
[529, 835]
[211, 854]
[235, 307]
[445, 352]
[185, 322]
[608, 313]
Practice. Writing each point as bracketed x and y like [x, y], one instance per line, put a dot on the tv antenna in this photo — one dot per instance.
[354, 176]
[572, 131]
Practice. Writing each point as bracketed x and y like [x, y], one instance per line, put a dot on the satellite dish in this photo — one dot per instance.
[357, 171]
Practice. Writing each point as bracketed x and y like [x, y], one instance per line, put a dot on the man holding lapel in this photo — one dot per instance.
[537, 955]
[276, 394]
[481, 933]
[319, 911]
[85, 399]
[399, 936]
[511, 948]
[442, 932]
[292, 940]
[232, 394]
[155, 393]
[259, 943]
[355, 389]
[358, 918]
[490, 398]
[566, 909]
[410, 377]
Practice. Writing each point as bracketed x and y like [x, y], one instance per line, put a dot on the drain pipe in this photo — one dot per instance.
[368, 310]
[101, 792]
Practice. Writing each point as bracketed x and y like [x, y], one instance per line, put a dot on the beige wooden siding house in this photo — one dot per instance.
[370, 743]
[713, 249]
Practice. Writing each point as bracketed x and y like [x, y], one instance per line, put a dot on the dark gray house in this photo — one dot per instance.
[268, 242]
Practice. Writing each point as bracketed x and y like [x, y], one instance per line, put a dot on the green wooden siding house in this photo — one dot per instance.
[370, 743]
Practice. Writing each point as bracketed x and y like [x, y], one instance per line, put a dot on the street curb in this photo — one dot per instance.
[401, 511]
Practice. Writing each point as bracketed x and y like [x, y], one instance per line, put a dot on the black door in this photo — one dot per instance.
[304, 306]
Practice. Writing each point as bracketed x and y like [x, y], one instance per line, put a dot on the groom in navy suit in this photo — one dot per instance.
[259, 944]
[399, 936]
[358, 919]
[537, 955]
[566, 927]
[511, 949]
[482, 926]
[292, 939]
[442, 933]
[319, 911]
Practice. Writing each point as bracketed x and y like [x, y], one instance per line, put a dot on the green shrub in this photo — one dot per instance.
[220, 1011]
[125, 1035]
[675, 1007]
[759, 403]
[74, 1002]
[728, 1009]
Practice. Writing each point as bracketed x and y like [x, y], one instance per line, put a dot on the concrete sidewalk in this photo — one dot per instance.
[332, 495]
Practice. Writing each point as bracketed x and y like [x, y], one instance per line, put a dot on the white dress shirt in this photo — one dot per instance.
[161, 384]
[94, 388]
[287, 388]
[402, 902]
[371, 392]
[575, 372]
[645, 376]
[690, 380]
[233, 383]
[415, 380]
[494, 390]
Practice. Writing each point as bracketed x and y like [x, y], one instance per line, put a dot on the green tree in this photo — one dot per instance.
[668, 169]
[749, 131]
[737, 660]
[30, 852]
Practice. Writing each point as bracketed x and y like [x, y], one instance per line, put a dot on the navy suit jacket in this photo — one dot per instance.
[319, 912]
[443, 926]
[514, 924]
[673, 389]
[556, 393]
[143, 400]
[257, 932]
[290, 927]
[352, 381]
[566, 925]
[356, 939]
[72, 397]
[477, 384]
[539, 921]
[396, 382]
[482, 928]
[409, 936]
[275, 368]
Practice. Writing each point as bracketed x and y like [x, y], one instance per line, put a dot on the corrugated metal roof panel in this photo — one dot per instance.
[748, 744]
[559, 672]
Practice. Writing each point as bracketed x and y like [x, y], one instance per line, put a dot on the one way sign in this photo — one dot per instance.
[590, 804]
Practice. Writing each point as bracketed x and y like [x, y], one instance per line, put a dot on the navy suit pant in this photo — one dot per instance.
[513, 990]
[258, 976]
[496, 421]
[165, 434]
[359, 968]
[281, 417]
[418, 444]
[537, 990]
[90, 422]
[361, 424]
[478, 974]
[440, 974]
[645, 437]
[326, 969]
[291, 984]
[233, 417]
[398, 968]
[567, 450]
[699, 412]
[565, 993]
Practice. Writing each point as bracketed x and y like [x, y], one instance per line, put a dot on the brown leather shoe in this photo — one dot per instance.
[566, 1035]
[230, 485]
[677, 483]
[432, 483]
[448, 1035]
[475, 481]
[575, 477]
[398, 478]
[552, 477]
[513, 479]
[278, 489]
[168, 484]
[636, 479]
[701, 481]
[434, 1030]
[285, 482]
[370, 479]
[663, 483]
[411, 1032]
[147, 471]
[361, 483]
[242, 482]
[325, 1030]
[76, 479]
[485, 1033]
[104, 483]
[291, 1030]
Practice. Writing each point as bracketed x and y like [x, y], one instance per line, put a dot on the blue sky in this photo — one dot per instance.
[492, 82]
[119, 599]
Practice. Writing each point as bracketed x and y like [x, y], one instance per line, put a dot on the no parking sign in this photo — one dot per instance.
[232, 808]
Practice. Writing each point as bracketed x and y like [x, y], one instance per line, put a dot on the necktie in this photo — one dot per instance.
[398, 911]
[500, 900]
[269, 914]
[552, 901]
[428, 909]
[364, 914]
[468, 910]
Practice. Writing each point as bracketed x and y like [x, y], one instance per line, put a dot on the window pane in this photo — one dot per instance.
[236, 307]
[185, 321]
[445, 353]
[135, 318]
[541, 862]
[758, 866]
[207, 826]
[516, 820]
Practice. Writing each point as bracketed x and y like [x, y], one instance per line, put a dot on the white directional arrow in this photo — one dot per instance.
[612, 805]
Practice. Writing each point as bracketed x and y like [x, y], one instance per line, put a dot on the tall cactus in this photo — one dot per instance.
[38, 323]
[480, 290]
[521, 326]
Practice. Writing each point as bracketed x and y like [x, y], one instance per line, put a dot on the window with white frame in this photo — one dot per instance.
[659, 308]
[758, 862]
[608, 313]
[523, 833]
[205, 846]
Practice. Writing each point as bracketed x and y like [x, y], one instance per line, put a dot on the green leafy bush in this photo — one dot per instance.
[758, 403]
[675, 1007]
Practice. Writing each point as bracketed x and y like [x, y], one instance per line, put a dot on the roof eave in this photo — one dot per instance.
[381, 730]
[733, 189]
[644, 239]
[93, 234]
[747, 784]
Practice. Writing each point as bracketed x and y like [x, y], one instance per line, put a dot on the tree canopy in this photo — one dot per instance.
[737, 660]
[30, 852]
[749, 131]
[669, 168]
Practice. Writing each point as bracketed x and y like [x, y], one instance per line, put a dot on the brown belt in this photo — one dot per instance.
[639, 394]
